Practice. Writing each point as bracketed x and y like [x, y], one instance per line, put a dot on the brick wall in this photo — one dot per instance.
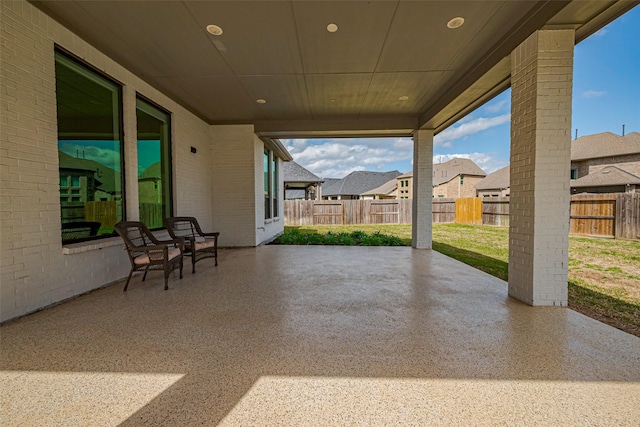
[454, 189]
[36, 270]
[629, 163]
[234, 159]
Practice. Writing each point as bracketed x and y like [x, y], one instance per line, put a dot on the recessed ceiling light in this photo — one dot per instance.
[332, 28]
[403, 98]
[261, 101]
[455, 22]
[214, 29]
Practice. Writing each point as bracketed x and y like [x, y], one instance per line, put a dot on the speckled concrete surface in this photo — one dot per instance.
[315, 336]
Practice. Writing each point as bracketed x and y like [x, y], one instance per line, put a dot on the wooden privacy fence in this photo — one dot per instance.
[469, 211]
[615, 215]
[106, 213]
[604, 215]
[347, 212]
[443, 210]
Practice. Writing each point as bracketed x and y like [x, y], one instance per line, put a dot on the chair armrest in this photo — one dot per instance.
[213, 234]
[178, 241]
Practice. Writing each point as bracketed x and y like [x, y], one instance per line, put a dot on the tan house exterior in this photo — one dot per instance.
[496, 184]
[388, 190]
[452, 179]
[593, 153]
[405, 186]
[600, 163]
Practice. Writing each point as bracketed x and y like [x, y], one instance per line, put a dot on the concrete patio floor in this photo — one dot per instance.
[315, 336]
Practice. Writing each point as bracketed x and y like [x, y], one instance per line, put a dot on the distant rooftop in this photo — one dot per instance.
[497, 180]
[293, 172]
[356, 183]
[388, 188]
[604, 145]
[609, 176]
[445, 172]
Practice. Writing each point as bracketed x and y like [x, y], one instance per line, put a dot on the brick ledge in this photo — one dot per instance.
[77, 248]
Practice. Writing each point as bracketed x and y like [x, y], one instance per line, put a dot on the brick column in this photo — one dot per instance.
[130, 153]
[422, 188]
[541, 83]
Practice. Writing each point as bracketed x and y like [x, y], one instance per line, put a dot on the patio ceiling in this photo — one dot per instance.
[318, 83]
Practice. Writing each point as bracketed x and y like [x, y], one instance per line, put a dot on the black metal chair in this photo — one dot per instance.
[148, 253]
[197, 243]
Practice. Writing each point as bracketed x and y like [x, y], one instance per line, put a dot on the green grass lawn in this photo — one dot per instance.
[604, 274]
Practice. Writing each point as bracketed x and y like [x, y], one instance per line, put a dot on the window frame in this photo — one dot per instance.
[167, 198]
[266, 167]
[95, 75]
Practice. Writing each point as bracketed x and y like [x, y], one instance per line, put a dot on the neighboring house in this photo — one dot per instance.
[455, 178]
[610, 179]
[600, 163]
[404, 185]
[355, 184]
[388, 190]
[496, 184]
[299, 183]
[150, 184]
[82, 181]
[592, 153]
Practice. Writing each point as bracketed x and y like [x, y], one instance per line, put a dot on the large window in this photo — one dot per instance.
[154, 164]
[89, 151]
[270, 185]
[274, 184]
[267, 186]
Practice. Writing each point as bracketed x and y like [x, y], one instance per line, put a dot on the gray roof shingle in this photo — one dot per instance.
[609, 176]
[445, 172]
[604, 144]
[497, 180]
[292, 172]
[356, 183]
[388, 189]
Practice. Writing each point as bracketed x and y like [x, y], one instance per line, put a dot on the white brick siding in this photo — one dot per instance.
[541, 85]
[36, 270]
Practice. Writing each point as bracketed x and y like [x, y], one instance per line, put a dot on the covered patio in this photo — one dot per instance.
[345, 340]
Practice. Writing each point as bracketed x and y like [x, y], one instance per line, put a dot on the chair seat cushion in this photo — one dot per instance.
[144, 259]
[204, 245]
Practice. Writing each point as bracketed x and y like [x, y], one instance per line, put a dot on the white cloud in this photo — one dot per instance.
[336, 158]
[600, 33]
[446, 137]
[494, 108]
[486, 161]
[593, 93]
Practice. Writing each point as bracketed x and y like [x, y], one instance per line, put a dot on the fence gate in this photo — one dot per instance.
[384, 213]
[328, 214]
[469, 211]
[593, 215]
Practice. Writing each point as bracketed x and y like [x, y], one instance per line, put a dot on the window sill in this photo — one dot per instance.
[78, 248]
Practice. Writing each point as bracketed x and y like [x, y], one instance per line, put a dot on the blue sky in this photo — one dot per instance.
[606, 95]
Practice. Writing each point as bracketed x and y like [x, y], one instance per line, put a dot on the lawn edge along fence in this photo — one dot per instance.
[614, 215]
